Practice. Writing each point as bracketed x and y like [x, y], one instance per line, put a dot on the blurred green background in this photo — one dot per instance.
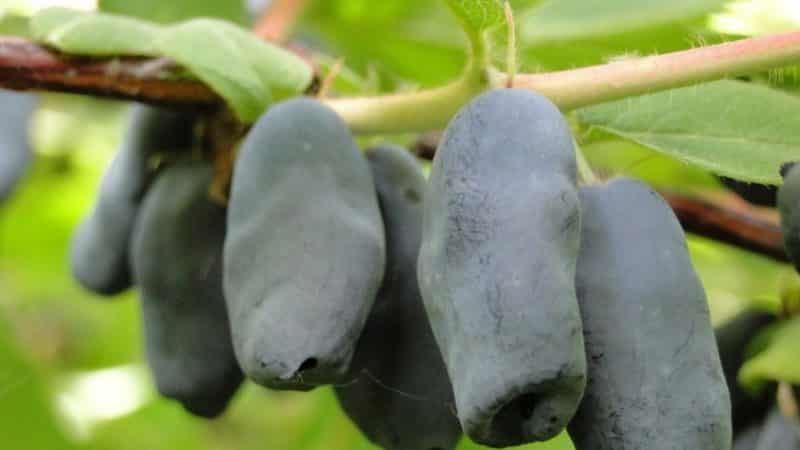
[71, 366]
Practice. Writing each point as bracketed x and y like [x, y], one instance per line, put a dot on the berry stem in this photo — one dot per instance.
[571, 89]
[585, 172]
[418, 111]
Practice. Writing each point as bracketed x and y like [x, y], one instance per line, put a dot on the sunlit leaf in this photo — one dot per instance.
[76, 32]
[758, 17]
[177, 10]
[248, 72]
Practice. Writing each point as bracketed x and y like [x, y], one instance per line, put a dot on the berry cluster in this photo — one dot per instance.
[498, 298]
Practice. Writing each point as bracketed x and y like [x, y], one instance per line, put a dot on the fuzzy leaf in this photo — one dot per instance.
[248, 72]
[713, 126]
[477, 15]
[76, 32]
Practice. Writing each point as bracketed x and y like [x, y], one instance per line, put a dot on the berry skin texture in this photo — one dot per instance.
[98, 255]
[15, 112]
[176, 257]
[779, 433]
[733, 338]
[401, 397]
[655, 377]
[305, 250]
[747, 439]
[500, 241]
[789, 208]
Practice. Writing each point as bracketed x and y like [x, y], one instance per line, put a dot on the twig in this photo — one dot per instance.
[279, 19]
[25, 65]
[330, 78]
[511, 55]
[701, 217]
[721, 224]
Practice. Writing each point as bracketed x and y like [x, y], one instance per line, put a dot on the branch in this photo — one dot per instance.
[700, 217]
[25, 65]
[571, 89]
[716, 222]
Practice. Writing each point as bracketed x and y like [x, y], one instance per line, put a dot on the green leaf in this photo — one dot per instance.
[778, 360]
[742, 130]
[14, 25]
[477, 15]
[248, 72]
[559, 20]
[76, 32]
[177, 10]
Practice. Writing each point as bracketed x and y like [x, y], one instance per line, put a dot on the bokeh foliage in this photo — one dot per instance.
[57, 343]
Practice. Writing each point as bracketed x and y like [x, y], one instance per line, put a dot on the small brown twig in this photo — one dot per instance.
[737, 228]
[701, 217]
[330, 78]
[222, 133]
[25, 65]
[425, 145]
[279, 19]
